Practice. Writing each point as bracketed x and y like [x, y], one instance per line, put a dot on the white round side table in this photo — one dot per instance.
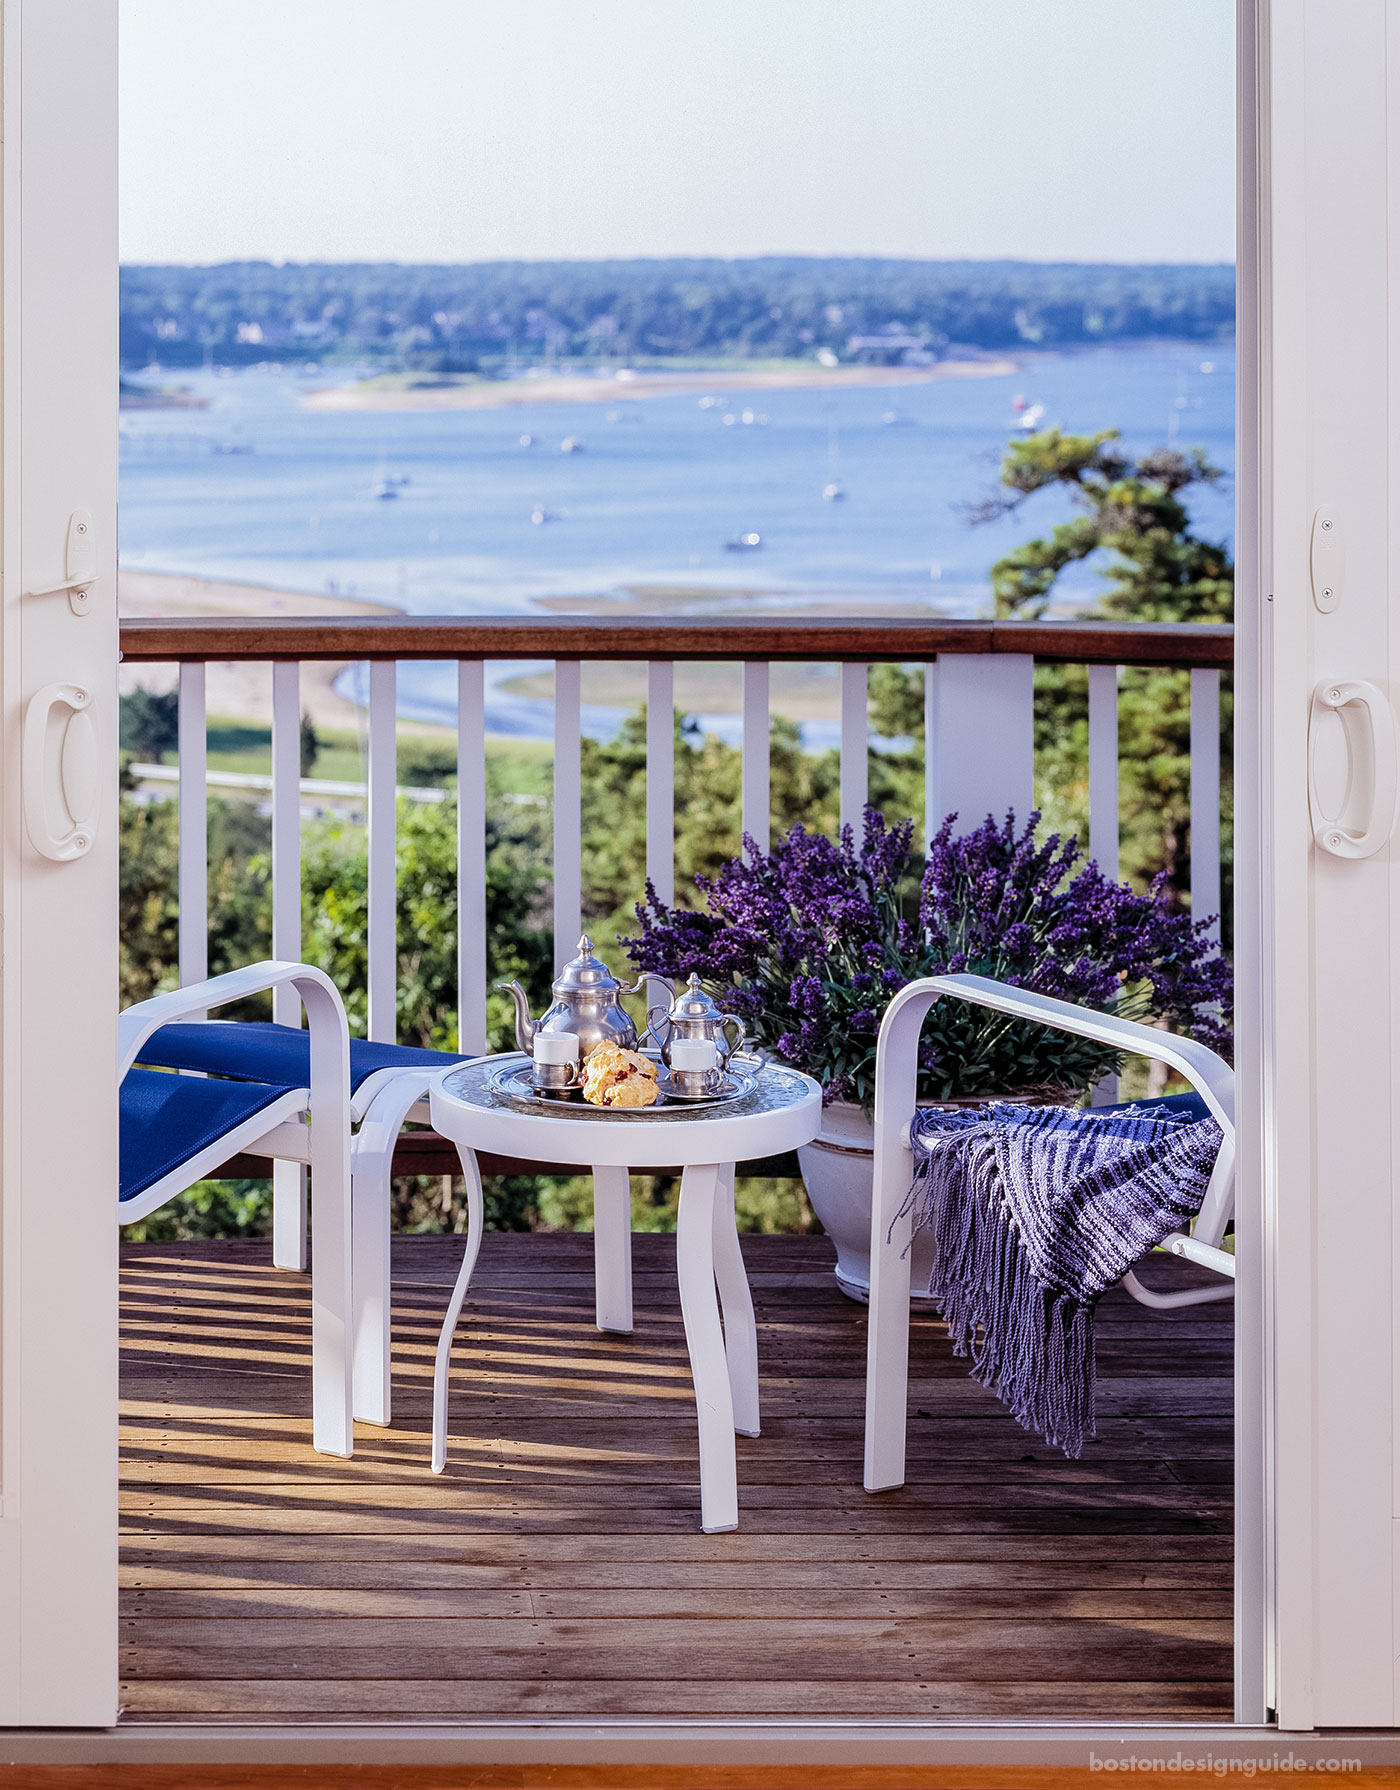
[783, 1111]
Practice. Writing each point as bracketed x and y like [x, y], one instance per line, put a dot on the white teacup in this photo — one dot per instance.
[555, 1061]
[695, 1065]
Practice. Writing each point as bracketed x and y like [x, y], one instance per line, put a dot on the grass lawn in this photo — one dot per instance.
[522, 767]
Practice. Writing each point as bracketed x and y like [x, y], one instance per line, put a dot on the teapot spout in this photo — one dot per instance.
[524, 1025]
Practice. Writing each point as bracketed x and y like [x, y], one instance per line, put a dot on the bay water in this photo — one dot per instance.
[489, 514]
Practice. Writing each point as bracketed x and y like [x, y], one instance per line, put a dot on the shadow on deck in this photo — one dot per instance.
[557, 1568]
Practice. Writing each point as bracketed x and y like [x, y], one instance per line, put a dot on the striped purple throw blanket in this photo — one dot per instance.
[1035, 1213]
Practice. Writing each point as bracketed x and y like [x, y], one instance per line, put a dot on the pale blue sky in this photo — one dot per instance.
[483, 129]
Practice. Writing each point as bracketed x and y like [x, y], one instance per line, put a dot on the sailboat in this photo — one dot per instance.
[385, 487]
[833, 491]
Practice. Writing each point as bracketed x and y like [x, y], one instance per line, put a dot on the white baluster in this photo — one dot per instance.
[471, 856]
[661, 778]
[194, 827]
[288, 1178]
[568, 813]
[1103, 804]
[1205, 795]
[933, 817]
[286, 832]
[661, 796]
[754, 804]
[855, 747]
[1103, 767]
[383, 853]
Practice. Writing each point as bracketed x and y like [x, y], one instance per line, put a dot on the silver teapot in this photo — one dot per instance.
[586, 1005]
[692, 1014]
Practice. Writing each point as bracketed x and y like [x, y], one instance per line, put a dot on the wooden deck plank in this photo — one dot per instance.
[751, 1549]
[715, 1699]
[850, 1580]
[557, 1569]
[528, 1601]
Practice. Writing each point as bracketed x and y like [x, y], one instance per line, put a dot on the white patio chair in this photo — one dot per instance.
[896, 1074]
[176, 1129]
[388, 1086]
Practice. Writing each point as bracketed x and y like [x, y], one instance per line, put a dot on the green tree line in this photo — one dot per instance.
[464, 316]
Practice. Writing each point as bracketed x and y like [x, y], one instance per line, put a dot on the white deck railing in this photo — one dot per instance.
[979, 745]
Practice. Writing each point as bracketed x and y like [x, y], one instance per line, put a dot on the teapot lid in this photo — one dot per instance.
[693, 1003]
[585, 974]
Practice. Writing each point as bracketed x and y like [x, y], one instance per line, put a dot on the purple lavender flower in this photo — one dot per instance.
[810, 941]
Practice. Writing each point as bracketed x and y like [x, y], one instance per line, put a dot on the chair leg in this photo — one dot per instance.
[612, 1250]
[442, 1364]
[332, 1421]
[369, 1196]
[736, 1302]
[887, 1347]
[371, 1165]
[289, 1212]
[1175, 1301]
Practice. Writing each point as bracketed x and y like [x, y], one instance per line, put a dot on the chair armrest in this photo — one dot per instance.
[896, 1073]
[319, 995]
[1210, 1075]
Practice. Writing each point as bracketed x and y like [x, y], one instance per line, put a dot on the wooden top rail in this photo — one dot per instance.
[809, 639]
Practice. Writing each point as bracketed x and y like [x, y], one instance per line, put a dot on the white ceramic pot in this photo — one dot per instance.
[838, 1167]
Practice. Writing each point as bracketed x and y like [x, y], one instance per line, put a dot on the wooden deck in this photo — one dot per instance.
[557, 1568]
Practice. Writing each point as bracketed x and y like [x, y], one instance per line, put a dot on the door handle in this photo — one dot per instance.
[79, 565]
[1367, 814]
[76, 781]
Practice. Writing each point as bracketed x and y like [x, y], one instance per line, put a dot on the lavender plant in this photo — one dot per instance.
[810, 942]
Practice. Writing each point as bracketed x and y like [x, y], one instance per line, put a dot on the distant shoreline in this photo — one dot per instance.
[498, 394]
[241, 692]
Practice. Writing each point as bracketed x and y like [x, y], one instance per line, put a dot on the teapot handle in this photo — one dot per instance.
[725, 1021]
[653, 1024]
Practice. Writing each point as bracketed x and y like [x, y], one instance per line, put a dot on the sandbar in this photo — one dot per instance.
[242, 692]
[497, 394]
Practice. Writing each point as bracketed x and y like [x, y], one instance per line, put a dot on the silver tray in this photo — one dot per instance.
[510, 1085]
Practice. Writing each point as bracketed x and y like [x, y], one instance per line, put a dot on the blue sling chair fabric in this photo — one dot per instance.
[166, 1120]
[258, 1050]
[1178, 1106]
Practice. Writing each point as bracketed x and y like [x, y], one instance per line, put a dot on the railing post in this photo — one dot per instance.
[568, 811]
[288, 1178]
[382, 926]
[755, 773]
[855, 747]
[981, 742]
[194, 826]
[1205, 797]
[471, 856]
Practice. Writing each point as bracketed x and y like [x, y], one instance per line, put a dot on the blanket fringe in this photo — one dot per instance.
[1032, 1347]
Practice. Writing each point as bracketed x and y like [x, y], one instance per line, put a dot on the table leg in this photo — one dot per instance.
[695, 1270]
[736, 1301]
[612, 1250]
[442, 1365]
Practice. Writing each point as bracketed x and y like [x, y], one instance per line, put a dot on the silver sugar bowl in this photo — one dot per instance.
[692, 1016]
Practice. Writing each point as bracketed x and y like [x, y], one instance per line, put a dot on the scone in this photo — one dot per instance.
[616, 1077]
